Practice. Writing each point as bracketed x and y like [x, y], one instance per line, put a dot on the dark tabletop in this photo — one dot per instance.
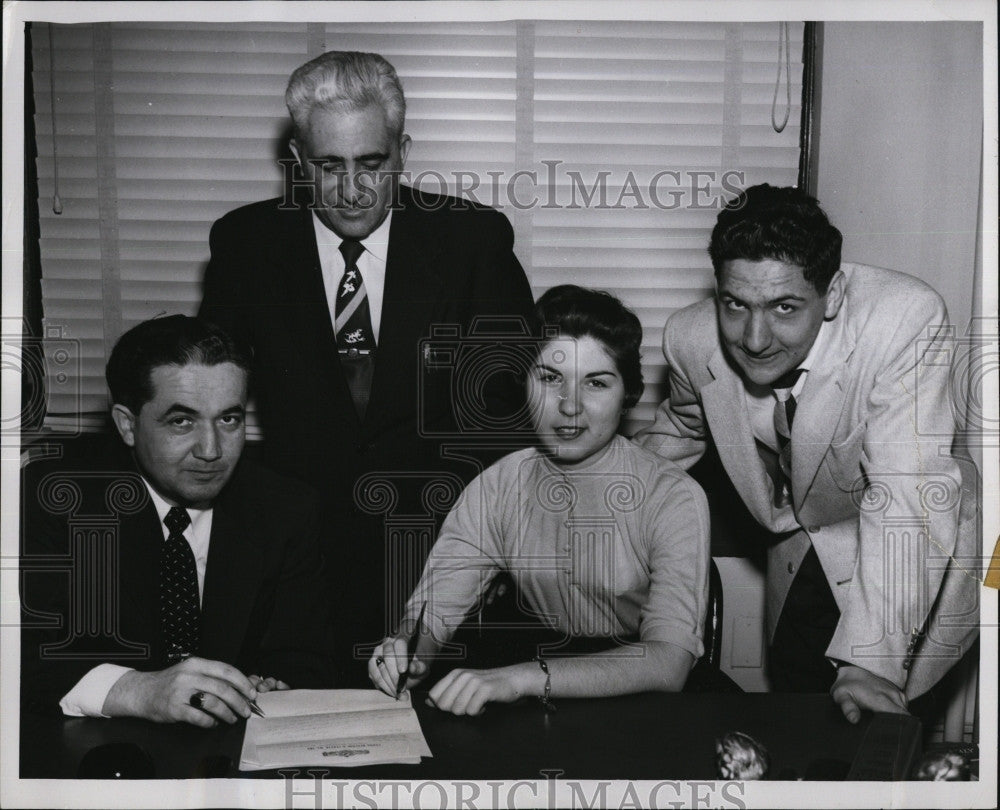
[647, 736]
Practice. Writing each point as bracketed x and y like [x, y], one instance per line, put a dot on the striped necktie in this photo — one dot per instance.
[353, 326]
[784, 414]
[353, 323]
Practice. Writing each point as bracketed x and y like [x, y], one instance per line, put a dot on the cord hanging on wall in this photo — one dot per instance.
[56, 202]
[783, 43]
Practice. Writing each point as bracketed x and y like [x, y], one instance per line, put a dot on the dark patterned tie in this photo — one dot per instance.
[353, 318]
[353, 325]
[179, 610]
[784, 413]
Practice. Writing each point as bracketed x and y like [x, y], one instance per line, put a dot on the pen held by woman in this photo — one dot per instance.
[411, 651]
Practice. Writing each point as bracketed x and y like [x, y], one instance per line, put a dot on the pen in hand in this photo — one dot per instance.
[257, 681]
[411, 649]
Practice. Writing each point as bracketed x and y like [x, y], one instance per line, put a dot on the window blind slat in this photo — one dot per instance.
[200, 123]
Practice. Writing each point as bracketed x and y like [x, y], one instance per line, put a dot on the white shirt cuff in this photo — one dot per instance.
[86, 699]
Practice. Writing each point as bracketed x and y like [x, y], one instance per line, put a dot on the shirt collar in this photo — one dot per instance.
[819, 345]
[376, 243]
[162, 507]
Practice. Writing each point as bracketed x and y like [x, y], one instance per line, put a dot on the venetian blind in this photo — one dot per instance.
[157, 129]
[665, 110]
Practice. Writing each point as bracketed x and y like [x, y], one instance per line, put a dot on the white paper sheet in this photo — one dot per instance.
[332, 727]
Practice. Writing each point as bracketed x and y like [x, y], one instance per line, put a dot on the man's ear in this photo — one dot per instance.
[404, 148]
[124, 420]
[293, 146]
[835, 295]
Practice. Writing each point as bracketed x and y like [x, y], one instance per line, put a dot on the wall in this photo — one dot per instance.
[900, 138]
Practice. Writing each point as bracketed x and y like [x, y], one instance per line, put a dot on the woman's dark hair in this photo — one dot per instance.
[175, 340]
[572, 311]
[780, 223]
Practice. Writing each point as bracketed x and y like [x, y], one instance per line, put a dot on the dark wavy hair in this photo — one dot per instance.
[780, 223]
[175, 340]
[572, 311]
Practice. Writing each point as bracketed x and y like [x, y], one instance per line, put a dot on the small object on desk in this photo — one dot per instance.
[740, 756]
[411, 651]
[119, 760]
[943, 767]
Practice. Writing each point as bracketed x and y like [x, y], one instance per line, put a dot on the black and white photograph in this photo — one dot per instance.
[500, 404]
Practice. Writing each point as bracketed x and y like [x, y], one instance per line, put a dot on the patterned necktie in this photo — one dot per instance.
[353, 325]
[784, 413]
[179, 610]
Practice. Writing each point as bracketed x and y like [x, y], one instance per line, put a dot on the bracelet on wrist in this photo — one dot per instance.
[545, 698]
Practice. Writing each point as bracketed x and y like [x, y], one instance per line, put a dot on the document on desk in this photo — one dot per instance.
[333, 728]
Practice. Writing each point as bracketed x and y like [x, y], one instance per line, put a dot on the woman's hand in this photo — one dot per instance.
[389, 661]
[263, 685]
[467, 691]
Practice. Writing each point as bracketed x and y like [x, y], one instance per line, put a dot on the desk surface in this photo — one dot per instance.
[647, 736]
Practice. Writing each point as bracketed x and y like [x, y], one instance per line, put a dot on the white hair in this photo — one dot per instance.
[347, 81]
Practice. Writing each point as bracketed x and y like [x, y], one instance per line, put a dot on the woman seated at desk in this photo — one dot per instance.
[603, 538]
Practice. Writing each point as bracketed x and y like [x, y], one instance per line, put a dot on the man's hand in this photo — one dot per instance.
[165, 696]
[467, 691]
[389, 661]
[856, 689]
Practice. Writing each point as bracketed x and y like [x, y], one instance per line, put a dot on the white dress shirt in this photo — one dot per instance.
[760, 403]
[86, 698]
[371, 265]
[761, 398]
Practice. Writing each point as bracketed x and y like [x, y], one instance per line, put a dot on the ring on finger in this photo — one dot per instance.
[197, 700]
[379, 660]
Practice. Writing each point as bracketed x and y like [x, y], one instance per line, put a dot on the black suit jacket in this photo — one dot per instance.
[91, 541]
[450, 262]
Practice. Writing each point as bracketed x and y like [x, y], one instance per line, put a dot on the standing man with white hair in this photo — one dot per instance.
[337, 292]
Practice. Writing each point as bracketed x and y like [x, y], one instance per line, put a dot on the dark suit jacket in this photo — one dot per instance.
[90, 577]
[449, 262]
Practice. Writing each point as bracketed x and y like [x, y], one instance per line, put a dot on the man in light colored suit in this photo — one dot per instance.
[824, 389]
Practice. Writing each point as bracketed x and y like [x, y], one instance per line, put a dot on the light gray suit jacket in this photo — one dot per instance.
[891, 513]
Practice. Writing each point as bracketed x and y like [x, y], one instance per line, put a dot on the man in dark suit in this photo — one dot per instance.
[381, 319]
[194, 576]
